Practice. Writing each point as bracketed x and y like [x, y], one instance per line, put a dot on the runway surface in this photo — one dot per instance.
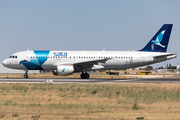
[173, 79]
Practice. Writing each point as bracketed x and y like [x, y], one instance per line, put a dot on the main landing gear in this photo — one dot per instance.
[26, 74]
[85, 75]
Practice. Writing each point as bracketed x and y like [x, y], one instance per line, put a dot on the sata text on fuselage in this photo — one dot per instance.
[60, 54]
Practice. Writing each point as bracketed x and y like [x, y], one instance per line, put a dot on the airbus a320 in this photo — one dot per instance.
[64, 63]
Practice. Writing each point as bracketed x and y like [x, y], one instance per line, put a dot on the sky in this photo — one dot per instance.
[113, 25]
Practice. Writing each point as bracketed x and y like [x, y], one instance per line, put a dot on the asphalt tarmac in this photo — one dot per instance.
[173, 79]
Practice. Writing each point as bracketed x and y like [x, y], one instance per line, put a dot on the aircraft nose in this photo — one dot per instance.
[4, 63]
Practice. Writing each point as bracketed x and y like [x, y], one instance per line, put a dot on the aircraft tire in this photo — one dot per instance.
[25, 76]
[86, 76]
[82, 76]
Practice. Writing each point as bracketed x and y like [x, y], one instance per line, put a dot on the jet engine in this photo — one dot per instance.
[63, 70]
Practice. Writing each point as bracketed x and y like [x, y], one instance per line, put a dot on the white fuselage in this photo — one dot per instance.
[113, 60]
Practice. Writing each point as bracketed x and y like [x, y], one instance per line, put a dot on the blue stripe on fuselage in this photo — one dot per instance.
[42, 56]
[35, 63]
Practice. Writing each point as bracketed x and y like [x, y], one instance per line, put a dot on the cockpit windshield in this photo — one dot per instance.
[12, 56]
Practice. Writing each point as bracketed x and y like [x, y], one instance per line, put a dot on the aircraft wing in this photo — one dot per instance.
[87, 64]
[90, 63]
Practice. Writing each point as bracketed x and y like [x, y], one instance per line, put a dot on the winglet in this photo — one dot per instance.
[159, 42]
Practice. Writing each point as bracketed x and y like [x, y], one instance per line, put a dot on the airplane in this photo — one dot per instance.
[64, 63]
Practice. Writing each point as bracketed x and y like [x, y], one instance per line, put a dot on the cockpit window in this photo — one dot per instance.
[13, 56]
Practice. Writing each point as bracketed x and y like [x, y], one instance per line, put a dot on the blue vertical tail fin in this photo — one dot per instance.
[159, 42]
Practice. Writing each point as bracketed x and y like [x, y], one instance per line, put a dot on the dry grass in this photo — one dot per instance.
[90, 101]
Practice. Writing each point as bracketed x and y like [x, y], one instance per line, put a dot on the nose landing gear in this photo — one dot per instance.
[26, 74]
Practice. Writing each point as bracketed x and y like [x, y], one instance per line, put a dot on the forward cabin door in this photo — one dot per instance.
[27, 56]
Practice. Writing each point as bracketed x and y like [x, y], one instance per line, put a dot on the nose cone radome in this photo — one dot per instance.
[4, 63]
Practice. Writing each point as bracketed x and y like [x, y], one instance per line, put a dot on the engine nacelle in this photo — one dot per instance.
[63, 70]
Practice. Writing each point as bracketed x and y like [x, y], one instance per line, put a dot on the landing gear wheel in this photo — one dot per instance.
[85, 76]
[82, 75]
[25, 76]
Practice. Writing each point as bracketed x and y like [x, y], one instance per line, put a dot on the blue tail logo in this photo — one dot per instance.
[160, 40]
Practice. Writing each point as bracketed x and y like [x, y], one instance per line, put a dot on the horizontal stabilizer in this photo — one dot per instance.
[164, 55]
